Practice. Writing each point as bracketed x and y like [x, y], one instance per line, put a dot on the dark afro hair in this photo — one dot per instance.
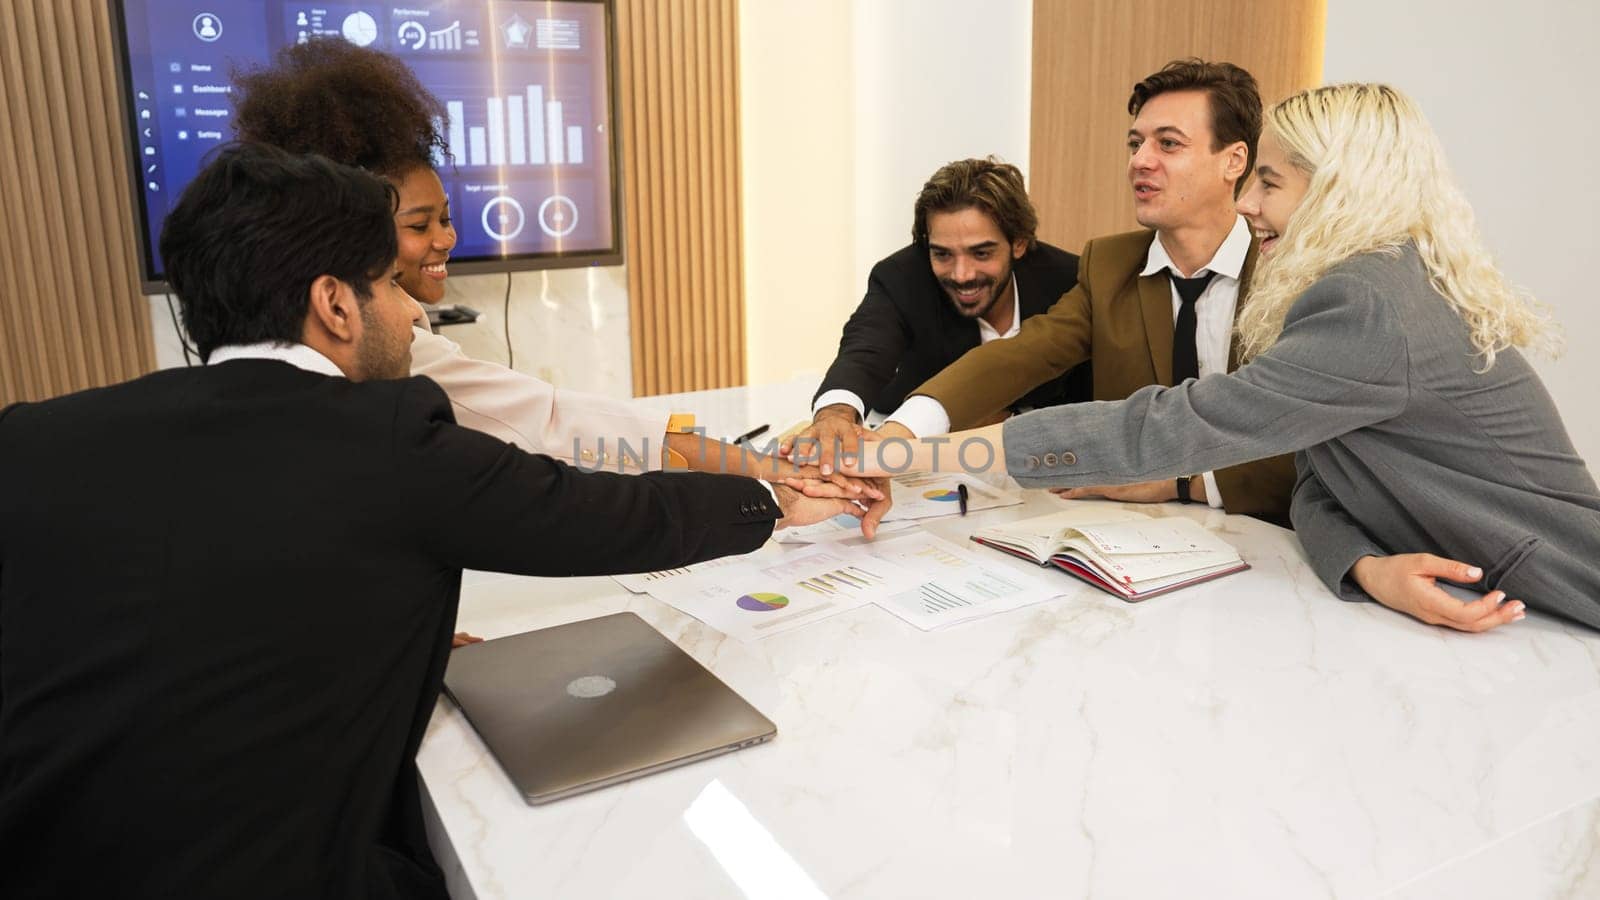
[350, 104]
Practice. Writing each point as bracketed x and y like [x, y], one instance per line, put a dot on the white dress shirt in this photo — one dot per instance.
[1213, 311]
[1212, 334]
[986, 333]
[298, 355]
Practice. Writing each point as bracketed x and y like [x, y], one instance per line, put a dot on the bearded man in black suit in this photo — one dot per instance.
[173, 550]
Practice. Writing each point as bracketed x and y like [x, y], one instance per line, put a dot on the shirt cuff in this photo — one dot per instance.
[774, 492]
[923, 415]
[1213, 496]
[840, 395]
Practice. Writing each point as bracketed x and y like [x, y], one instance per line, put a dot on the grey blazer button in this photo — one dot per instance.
[744, 509]
[1068, 458]
[1050, 459]
[1033, 462]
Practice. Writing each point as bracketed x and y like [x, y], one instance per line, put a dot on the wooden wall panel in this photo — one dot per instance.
[678, 78]
[1088, 54]
[71, 312]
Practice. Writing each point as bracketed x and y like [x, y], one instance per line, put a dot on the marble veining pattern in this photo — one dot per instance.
[1250, 737]
[568, 326]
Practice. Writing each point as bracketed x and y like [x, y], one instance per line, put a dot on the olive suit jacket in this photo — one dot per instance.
[1123, 323]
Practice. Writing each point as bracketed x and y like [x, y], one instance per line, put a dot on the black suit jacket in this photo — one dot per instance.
[226, 599]
[906, 331]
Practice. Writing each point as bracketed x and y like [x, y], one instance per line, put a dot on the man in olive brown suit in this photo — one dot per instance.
[1153, 306]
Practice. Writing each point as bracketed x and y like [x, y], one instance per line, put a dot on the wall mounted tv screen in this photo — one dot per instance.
[526, 85]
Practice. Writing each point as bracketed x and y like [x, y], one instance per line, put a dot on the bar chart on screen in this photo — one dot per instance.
[527, 128]
[446, 38]
[524, 147]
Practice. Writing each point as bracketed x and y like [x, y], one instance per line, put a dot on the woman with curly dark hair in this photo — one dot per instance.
[363, 107]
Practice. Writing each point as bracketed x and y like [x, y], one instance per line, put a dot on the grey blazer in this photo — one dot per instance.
[1403, 447]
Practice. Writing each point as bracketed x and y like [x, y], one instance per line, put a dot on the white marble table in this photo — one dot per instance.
[1252, 737]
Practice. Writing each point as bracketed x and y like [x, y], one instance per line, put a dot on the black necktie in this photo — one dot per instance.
[1185, 360]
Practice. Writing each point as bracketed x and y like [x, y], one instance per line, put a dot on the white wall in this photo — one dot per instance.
[1510, 90]
[169, 352]
[568, 326]
[797, 183]
[847, 108]
[935, 81]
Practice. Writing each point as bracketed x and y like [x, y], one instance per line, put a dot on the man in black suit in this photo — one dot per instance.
[973, 271]
[226, 593]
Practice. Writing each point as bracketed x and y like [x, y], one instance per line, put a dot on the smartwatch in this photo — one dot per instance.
[1183, 489]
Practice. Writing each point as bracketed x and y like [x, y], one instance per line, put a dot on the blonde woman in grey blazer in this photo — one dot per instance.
[1383, 347]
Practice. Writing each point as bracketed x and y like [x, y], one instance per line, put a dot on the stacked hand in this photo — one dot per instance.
[836, 432]
[800, 509]
[1407, 583]
[836, 484]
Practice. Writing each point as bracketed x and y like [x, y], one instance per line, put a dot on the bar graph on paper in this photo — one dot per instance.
[757, 597]
[640, 582]
[843, 580]
[524, 129]
[938, 597]
[957, 586]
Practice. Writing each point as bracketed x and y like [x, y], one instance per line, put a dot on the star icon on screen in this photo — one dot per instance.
[517, 32]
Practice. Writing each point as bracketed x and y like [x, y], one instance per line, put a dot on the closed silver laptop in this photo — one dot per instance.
[581, 706]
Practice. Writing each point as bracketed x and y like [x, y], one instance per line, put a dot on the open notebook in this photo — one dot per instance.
[1124, 553]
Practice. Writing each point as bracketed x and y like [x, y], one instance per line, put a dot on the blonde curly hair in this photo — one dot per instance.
[1378, 180]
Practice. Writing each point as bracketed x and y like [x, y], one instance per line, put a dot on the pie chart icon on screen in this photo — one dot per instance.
[360, 29]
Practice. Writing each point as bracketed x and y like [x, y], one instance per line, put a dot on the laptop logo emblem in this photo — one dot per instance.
[590, 686]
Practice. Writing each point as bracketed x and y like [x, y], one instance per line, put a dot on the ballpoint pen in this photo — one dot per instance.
[754, 432]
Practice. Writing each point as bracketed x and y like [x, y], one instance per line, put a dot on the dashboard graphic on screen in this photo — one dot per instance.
[526, 85]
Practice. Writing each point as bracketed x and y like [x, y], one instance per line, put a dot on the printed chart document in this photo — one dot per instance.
[751, 599]
[956, 585]
[938, 494]
[640, 582]
[1131, 558]
[838, 528]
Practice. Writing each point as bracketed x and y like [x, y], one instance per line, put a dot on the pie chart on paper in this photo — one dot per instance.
[762, 602]
[943, 495]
